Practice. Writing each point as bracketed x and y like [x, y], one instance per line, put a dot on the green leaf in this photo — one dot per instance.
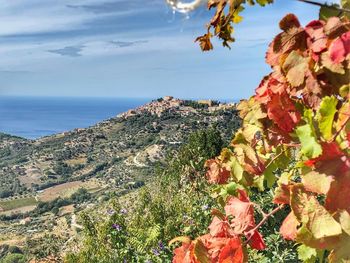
[309, 146]
[326, 12]
[259, 183]
[269, 175]
[344, 91]
[264, 2]
[307, 254]
[231, 188]
[325, 116]
[236, 169]
[345, 4]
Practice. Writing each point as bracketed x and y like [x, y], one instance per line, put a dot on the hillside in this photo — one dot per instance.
[40, 179]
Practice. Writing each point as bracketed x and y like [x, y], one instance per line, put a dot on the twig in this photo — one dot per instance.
[274, 158]
[341, 128]
[325, 5]
[250, 233]
[260, 209]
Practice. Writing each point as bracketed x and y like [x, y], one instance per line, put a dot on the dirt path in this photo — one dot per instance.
[74, 223]
[137, 163]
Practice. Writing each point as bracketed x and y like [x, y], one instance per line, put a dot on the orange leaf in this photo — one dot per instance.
[289, 227]
[184, 254]
[217, 173]
[232, 252]
[220, 228]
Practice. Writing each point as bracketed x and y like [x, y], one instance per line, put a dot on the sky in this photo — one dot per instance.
[131, 48]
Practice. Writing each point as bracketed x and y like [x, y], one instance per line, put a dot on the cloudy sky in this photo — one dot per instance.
[130, 48]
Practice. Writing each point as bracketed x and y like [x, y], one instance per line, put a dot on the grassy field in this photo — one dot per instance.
[66, 190]
[17, 203]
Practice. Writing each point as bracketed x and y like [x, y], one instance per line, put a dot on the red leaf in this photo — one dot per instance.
[289, 227]
[338, 197]
[330, 151]
[214, 245]
[232, 252]
[340, 48]
[220, 228]
[216, 174]
[270, 85]
[257, 241]
[184, 254]
[283, 112]
[243, 214]
[318, 39]
[282, 194]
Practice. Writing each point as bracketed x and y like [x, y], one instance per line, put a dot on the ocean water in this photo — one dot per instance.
[35, 117]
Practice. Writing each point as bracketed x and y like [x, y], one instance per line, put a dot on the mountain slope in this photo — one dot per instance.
[116, 154]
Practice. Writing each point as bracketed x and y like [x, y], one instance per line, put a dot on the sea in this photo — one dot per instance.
[36, 117]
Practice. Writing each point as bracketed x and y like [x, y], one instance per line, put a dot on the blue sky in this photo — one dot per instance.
[130, 48]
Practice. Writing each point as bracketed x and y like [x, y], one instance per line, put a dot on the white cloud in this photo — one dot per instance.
[38, 16]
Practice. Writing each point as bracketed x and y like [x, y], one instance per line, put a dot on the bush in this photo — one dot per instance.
[14, 258]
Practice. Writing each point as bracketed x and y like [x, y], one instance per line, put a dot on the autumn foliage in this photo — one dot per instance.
[295, 138]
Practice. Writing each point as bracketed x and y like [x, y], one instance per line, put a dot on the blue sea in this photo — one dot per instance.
[35, 117]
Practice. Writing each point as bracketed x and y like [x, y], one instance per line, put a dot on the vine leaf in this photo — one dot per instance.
[308, 254]
[296, 67]
[309, 146]
[341, 253]
[316, 182]
[329, 64]
[217, 172]
[340, 48]
[289, 227]
[315, 30]
[200, 252]
[232, 252]
[315, 218]
[325, 116]
[344, 219]
[283, 112]
[184, 253]
[220, 228]
[243, 214]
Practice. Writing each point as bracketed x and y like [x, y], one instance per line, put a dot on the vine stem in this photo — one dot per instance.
[325, 5]
[275, 158]
[263, 221]
[341, 128]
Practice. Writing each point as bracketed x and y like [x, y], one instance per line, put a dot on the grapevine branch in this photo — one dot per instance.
[325, 5]
[263, 221]
[275, 158]
[341, 129]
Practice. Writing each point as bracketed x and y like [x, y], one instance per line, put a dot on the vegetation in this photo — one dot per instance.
[111, 159]
[228, 13]
[295, 143]
[277, 192]
[159, 212]
[178, 202]
[11, 254]
[16, 203]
